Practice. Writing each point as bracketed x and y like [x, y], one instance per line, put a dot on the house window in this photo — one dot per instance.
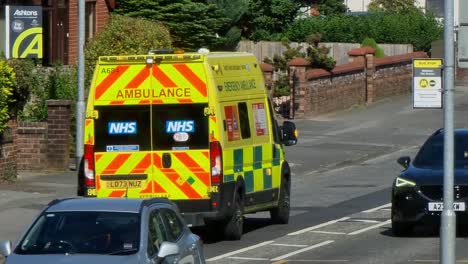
[90, 19]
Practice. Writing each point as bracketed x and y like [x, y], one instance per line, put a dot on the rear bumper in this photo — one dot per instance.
[218, 207]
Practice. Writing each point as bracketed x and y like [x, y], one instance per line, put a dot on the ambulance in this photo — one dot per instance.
[196, 128]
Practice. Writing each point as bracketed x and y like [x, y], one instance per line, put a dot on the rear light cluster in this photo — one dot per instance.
[216, 161]
[89, 165]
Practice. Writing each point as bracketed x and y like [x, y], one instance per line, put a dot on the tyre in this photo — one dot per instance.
[401, 229]
[280, 214]
[235, 225]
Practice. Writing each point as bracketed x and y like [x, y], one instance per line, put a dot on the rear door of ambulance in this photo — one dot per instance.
[151, 131]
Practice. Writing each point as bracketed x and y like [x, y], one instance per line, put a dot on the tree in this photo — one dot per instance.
[231, 31]
[193, 24]
[391, 6]
[267, 19]
[331, 7]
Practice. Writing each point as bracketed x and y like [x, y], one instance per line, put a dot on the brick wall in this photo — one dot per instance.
[364, 80]
[45, 145]
[32, 145]
[101, 19]
[8, 152]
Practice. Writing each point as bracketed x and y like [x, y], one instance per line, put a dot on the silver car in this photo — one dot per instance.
[87, 230]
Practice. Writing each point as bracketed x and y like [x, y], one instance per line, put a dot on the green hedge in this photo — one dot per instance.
[7, 82]
[414, 28]
[125, 36]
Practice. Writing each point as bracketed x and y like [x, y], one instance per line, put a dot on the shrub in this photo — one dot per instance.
[125, 36]
[370, 42]
[7, 82]
[412, 27]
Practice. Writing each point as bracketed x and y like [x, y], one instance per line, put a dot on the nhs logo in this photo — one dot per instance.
[122, 128]
[175, 126]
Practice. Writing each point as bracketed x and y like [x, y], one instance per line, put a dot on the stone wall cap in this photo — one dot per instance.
[317, 73]
[266, 67]
[298, 62]
[350, 67]
[400, 58]
[59, 102]
[361, 51]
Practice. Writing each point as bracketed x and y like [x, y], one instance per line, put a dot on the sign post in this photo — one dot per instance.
[427, 83]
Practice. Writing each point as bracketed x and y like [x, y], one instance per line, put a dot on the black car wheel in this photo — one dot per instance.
[280, 214]
[234, 226]
[400, 228]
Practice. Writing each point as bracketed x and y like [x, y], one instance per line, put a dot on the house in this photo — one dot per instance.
[54, 38]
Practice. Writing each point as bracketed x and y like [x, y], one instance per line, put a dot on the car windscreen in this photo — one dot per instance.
[432, 152]
[82, 232]
[180, 127]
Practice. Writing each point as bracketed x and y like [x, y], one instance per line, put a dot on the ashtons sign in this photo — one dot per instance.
[23, 32]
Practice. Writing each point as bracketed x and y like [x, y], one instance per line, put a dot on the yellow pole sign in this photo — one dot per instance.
[427, 83]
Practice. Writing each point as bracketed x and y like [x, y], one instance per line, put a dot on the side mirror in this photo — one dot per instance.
[404, 161]
[288, 133]
[168, 249]
[5, 248]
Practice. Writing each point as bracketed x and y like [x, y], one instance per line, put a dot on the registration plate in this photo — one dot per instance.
[440, 206]
[124, 184]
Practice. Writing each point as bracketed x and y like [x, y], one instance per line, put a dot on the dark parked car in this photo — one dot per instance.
[114, 231]
[417, 193]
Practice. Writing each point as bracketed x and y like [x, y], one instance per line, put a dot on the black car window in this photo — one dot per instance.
[122, 128]
[244, 120]
[432, 152]
[156, 233]
[82, 233]
[180, 127]
[173, 223]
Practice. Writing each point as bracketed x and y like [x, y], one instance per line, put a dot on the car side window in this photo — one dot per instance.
[156, 233]
[244, 120]
[173, 223]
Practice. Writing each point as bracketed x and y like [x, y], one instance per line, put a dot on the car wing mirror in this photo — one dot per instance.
[289, 133]
[5, 248]
[404, 161]
[168, 249]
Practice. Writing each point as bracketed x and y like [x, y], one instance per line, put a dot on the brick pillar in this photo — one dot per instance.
[370, 70]
[58, 136]
[267, 70]
[298, 81]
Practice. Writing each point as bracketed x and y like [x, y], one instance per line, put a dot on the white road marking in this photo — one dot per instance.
[289, 245]
[240, 251]
[328, 232]
[303, 250]
[245, 258]
[308, 229]
[369, 228]
[364, 221]
[377, 208]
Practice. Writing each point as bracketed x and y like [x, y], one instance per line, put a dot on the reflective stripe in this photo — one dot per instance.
[139, 78]
[162, 78]
[192, 78]
[109, 80]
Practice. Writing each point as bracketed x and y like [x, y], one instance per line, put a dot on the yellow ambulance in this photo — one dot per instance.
[197, 128]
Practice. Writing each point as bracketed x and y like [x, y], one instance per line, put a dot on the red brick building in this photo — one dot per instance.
[60, 25]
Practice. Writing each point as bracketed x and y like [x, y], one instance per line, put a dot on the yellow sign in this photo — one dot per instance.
[423, 83]
[434, 63]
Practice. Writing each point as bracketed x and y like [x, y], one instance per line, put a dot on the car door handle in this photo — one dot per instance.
[166, 160]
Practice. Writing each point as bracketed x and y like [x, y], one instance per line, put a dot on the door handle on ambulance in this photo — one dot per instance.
[166, 160]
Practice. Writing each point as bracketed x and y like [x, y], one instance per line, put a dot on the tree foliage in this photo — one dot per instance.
[331, 7]
[192, 24]
[7, 82]
[267, 19]
[370, 42]
[392, 6]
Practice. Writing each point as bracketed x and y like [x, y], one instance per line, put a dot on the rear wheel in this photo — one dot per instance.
[280, 214]
[234, 226]
[401, 229]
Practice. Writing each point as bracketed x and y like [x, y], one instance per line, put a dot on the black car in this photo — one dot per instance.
[417, 193]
